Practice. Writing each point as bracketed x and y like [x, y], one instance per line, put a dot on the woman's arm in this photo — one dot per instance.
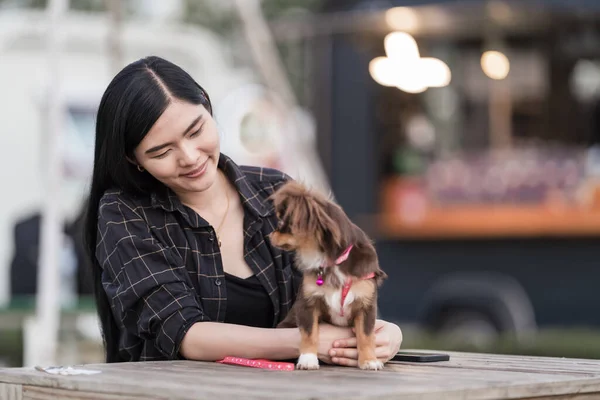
[147, 286]
[211, 341]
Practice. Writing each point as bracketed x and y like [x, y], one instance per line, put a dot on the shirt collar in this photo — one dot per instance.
[252, 195]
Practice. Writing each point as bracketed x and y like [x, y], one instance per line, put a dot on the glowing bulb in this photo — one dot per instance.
[495, 64]
[434, 71]
[382, 71]
[402, 18]
[401, 46]
[411, 84]
[411, 80]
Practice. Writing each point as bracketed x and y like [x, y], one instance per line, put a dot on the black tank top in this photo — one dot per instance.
[248, 303]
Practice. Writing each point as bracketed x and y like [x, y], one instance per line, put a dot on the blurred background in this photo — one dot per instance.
[461, 135]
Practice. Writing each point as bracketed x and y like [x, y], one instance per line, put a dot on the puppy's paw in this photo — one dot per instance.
[373, 365]
[308, 361]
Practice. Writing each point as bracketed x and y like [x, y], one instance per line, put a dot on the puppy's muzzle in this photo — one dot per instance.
[282, 240]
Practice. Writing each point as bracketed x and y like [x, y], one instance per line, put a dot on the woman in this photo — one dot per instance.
[177, 234]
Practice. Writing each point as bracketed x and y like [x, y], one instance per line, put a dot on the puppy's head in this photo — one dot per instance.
[307, 221]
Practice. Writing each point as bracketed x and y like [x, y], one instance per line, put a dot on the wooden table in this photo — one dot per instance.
[465, 376]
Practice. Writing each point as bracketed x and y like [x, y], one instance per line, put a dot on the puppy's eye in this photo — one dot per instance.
[283, 226]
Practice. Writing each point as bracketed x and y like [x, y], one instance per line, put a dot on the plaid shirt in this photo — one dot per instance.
[162, 268]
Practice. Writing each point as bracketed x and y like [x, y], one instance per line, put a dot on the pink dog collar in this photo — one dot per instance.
[348, 283]
[338, 261]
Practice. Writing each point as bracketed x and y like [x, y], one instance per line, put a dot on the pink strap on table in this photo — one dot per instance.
[258, 363]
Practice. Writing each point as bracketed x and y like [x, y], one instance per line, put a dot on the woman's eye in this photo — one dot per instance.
[198, 132]
[162, 155]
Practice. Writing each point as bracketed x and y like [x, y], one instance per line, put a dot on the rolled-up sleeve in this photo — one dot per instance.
[147, 284]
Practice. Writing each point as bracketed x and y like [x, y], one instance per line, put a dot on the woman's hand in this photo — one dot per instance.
[388, 338]
[328, 334]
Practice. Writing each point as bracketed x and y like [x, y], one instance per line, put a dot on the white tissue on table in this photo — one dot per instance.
[67, 370]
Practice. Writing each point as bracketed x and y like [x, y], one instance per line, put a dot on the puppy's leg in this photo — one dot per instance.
[290, 320]
[364, 324]
[308, 323]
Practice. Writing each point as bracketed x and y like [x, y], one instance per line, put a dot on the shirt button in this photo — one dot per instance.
[211, 237]
[218, 282]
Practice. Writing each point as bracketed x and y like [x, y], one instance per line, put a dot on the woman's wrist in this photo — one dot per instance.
[289, 340]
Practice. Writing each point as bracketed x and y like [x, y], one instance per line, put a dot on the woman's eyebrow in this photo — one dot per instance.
[162, 146]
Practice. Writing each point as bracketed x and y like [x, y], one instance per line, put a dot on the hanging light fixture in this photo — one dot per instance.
[404, 67]
[401, 46]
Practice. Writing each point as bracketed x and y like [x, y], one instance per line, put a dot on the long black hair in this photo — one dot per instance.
[133, 101]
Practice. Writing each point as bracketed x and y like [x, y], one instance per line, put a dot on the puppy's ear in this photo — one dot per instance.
[380, 276]
[275, 199]
[327, 223]
[287, 191]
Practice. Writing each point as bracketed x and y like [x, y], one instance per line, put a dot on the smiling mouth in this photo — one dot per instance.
[197, 171]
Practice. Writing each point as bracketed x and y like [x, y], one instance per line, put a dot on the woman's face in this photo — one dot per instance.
[181, 149]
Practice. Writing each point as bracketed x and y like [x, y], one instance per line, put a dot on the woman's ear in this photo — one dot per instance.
[135, 164]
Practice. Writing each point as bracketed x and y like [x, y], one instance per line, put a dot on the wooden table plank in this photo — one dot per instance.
[42, 393]
[465, 376]
[10, 392]
[521, 363]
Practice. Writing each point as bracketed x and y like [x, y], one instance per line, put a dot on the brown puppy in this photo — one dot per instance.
[340, 270]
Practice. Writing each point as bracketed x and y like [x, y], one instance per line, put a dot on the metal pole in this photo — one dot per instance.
[43, 346]
[115, 10]
[265, 54]
[500, 114]
[264, 50]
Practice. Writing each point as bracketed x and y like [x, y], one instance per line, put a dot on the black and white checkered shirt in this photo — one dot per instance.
[162, 268]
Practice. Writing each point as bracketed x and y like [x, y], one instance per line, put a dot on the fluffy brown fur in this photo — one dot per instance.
[317, 229]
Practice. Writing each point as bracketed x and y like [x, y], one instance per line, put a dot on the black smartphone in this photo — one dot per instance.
[412, 356]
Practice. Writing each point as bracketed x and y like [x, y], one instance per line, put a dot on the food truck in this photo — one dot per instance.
[479, 183]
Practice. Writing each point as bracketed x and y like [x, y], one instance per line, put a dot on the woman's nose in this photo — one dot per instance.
[189, 156]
